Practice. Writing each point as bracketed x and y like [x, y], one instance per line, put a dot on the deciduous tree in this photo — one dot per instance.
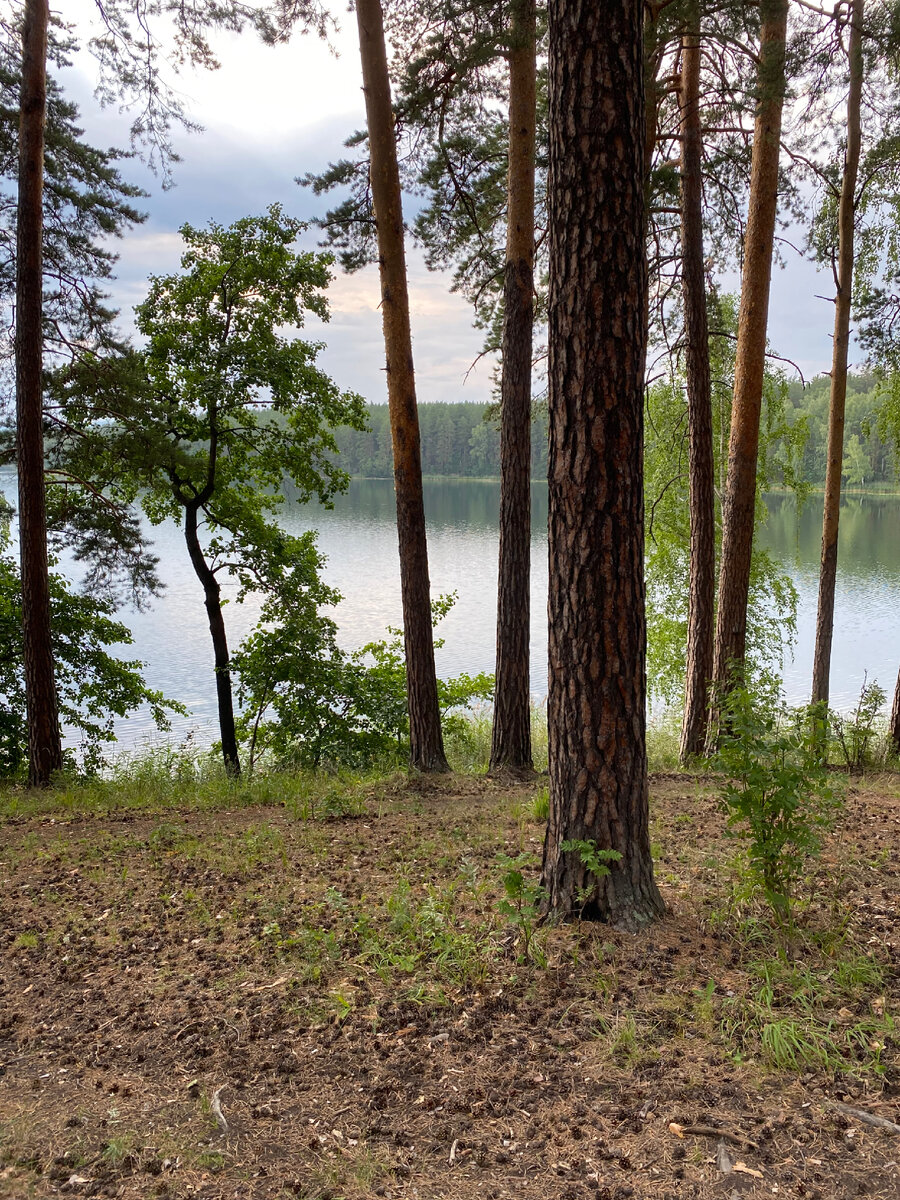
[218, 408]
[129, 55]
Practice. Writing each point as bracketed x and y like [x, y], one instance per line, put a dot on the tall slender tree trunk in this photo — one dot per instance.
[739, 500]
[840, 352]
[598, 276]
[44, 740]
[511, 732]
[425, 739]
[655, 47]
[702, 589]
[213, 601]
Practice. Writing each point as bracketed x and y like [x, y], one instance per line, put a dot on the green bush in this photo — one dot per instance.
[93, 687]
[856, 733]
[777, 793]
[308, 703]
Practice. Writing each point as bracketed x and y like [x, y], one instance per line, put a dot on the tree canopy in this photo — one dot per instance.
[205, 423]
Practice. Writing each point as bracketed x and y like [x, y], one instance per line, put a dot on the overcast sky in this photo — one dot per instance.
[271, 114]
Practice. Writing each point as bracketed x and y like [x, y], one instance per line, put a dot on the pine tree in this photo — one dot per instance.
[596, 708]
[426, 742]
[739, 501]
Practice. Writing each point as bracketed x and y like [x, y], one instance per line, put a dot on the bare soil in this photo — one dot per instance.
[367, 1020]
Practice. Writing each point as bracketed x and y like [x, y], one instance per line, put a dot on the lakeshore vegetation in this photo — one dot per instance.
[464, 439]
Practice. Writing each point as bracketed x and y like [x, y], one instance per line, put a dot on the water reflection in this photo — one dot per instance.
[868, 533]
[359, 539]
[867, 595]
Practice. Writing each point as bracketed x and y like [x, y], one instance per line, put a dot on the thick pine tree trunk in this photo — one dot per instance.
[213, 601]
[511, 732]
[597, 699]
[840, 351]
[44, 740]
[739, 500]
[894, 724]
[702, 590]
[426, 742]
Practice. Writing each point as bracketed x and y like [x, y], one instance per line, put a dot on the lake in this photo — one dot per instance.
[359, 540]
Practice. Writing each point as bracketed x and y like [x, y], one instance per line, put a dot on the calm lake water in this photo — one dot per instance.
[359, 539]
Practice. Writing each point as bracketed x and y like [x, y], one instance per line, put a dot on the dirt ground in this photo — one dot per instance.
[248, 1004]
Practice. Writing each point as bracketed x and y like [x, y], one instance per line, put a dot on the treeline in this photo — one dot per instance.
[869, 458]
[464, 439]
[457, 439]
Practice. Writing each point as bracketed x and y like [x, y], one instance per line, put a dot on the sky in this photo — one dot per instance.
[271, 114]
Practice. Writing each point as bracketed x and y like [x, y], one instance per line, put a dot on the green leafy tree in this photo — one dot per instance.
[855, 465]
[218, 409]
[307, 701]
[863, 419]
[130, 59]
[772, 599]
[93, 686]
[777, 793]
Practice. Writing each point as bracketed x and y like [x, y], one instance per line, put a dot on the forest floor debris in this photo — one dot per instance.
[242, 1003]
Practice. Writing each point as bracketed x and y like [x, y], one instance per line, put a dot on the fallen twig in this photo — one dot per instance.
[710, 1131]
[265, 987]
[866, 1117]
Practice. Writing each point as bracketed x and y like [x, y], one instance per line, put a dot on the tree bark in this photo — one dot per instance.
[425, 738]
[213, 601]
[44, 739]
[702, 588]
[894, 724]
[739, 500]
[511, 731]
[598, 276]
[840, 352]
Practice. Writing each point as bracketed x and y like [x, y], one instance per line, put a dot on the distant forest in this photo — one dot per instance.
[457, 439]
[868, 460]
[464, 439]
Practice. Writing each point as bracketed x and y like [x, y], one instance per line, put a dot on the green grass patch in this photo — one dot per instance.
[163, 780]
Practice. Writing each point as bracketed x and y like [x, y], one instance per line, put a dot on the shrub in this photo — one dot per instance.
[855, 734]
[307, 702]
[778, 795]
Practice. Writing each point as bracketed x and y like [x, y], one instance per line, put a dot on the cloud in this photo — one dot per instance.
[273, 113]
[445, 345]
